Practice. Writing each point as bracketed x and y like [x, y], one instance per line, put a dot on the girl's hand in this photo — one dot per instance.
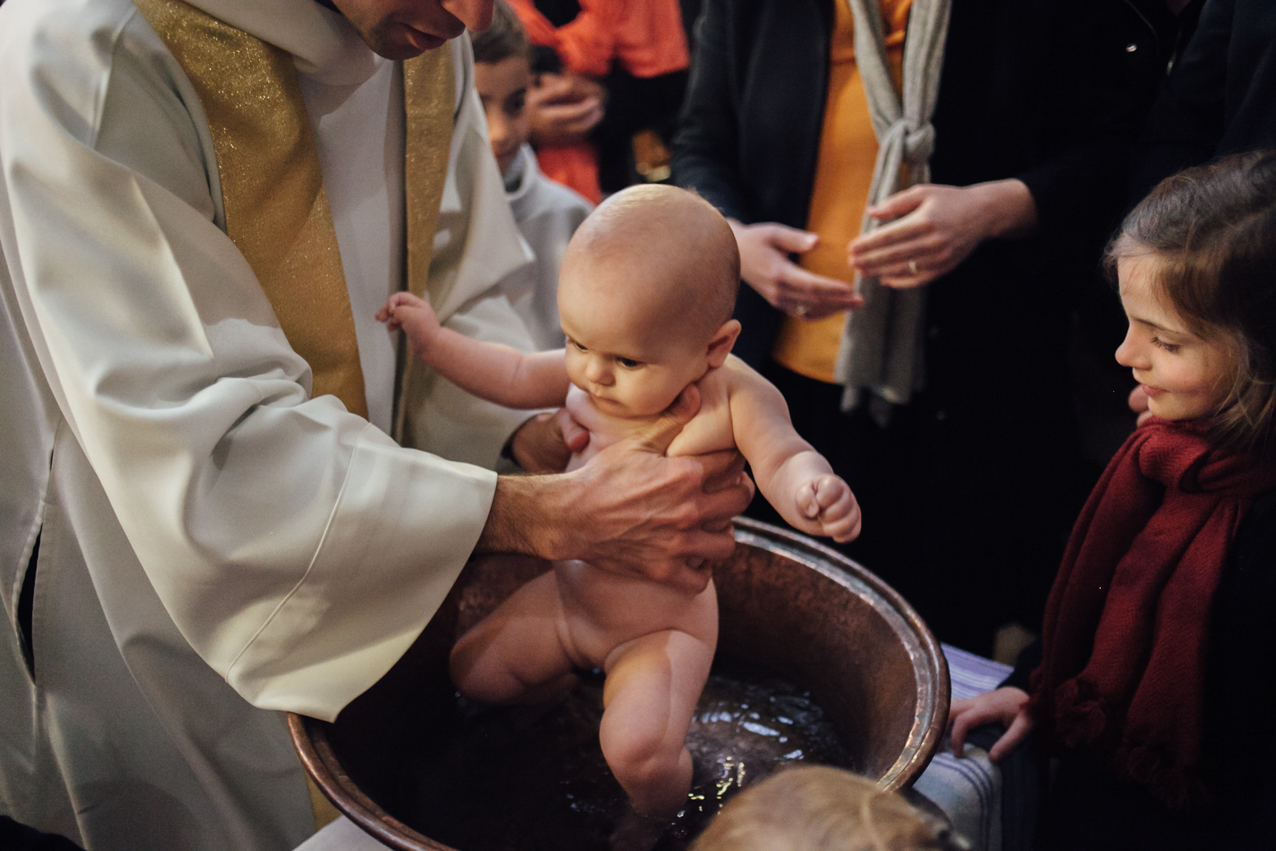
[1138, 402]
[830, 504]
[765, 266]
[1008, 705]
[414, 316]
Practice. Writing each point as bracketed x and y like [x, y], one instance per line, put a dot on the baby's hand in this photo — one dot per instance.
[829, 503]
[414, 316]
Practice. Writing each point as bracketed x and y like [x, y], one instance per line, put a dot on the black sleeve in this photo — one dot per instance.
[1092, 110]
[706, 149]
[1187, 120]
[633, 104]
[1028, 661]
[19, 837]
[1237, 747]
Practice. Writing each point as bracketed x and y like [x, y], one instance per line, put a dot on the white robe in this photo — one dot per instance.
[547, 214]
[214, 544]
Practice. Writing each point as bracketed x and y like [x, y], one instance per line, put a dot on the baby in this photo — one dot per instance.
[645, 296]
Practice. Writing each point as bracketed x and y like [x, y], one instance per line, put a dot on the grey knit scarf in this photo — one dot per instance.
[881, 342]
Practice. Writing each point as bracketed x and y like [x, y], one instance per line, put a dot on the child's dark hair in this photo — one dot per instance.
[503, 39]
[1212, 232]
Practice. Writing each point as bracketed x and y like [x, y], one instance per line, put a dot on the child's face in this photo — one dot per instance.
[502, 87]
[629, 360]
[1185, 375]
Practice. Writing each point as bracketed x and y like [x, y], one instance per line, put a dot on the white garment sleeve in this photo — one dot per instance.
[477, 245]
[296, 547]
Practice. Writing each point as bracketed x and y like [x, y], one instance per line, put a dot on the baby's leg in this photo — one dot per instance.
[514, 655]
[653, 683]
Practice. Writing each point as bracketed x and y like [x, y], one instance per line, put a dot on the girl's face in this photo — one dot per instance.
[1184, 375]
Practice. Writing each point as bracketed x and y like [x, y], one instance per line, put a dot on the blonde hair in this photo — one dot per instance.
[819, 808]
[1211, 234]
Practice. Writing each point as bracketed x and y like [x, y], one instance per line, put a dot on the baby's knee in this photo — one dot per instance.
[476, 676]
[641, 753]
[656, 777]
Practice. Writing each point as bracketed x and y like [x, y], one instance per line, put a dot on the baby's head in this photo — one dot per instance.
[1196, 267]
[502, 73]
[645, 294]
[819, 808]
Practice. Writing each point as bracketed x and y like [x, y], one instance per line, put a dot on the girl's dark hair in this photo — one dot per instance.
[1212, 231]
[503, 39]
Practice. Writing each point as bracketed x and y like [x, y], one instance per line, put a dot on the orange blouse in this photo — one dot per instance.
[843, 174]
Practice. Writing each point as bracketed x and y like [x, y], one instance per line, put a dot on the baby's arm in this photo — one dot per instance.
[795, 479]
[497, 373]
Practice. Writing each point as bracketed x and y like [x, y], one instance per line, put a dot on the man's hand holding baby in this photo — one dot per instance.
[631, 509]
[830, 506]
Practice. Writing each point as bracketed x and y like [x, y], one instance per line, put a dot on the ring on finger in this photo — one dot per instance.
[912, 266]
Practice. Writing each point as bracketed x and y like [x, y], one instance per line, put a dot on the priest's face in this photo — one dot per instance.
[402, 29]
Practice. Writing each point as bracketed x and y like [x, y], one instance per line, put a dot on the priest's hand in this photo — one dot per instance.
[630, 509]
[545, 443]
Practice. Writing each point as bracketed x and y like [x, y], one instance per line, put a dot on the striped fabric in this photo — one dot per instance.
[968, 790]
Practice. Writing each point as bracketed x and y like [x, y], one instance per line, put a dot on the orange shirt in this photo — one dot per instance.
[645, 36]
[843, 173]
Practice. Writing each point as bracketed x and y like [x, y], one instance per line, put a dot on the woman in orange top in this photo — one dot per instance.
[1030, 127]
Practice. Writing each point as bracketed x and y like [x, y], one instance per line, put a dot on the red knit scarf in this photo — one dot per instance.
[1127, 622]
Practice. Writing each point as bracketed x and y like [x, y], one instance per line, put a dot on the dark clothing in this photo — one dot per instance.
[1220, 97]
[1156, 39]
[977, 486]
[1088, 808]
[1036, 90]
[19, 837]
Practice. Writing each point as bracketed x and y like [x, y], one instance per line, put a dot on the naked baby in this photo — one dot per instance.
[645, 296]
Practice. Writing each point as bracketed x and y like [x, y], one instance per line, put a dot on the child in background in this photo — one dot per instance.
[820, 808]
[1158, 658]
[547, 213]
[646, 293]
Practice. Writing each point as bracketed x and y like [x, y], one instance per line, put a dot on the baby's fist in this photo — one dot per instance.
[829, 502]
[414, 315]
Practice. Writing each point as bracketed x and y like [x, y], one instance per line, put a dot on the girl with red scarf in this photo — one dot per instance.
[1156, 677]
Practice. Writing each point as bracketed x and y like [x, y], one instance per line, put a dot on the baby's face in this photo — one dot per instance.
[632, 362]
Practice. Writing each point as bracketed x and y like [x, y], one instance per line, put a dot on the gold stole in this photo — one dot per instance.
[272, 188]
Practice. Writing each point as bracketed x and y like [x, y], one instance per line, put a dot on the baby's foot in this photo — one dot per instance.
[636, 831]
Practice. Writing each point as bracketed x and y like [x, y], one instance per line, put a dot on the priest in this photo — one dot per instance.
[207, 509]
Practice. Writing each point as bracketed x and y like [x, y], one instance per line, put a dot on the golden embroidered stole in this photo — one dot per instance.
[276, 207]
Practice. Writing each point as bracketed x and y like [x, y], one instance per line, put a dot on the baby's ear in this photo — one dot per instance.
[723, 339]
